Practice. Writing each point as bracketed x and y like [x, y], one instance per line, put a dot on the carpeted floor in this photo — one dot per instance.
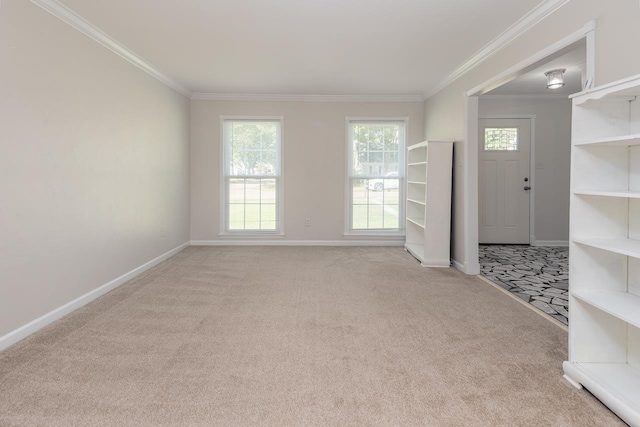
[243, 336]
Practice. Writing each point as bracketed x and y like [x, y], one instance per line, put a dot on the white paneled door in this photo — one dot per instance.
[504, 182]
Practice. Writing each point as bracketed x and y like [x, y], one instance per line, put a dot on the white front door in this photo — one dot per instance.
[504, 180]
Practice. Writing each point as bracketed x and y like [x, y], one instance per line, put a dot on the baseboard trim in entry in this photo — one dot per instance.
[550, 243]
[24, 331]
[460, 266]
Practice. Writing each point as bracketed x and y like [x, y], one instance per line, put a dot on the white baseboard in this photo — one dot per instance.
[42, 321]
[550, 243]
[436, 263]
[472, 269]
[238, 242]
[458, 265]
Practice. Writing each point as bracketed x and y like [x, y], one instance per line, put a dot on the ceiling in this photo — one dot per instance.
[323, 47]
[532, 81]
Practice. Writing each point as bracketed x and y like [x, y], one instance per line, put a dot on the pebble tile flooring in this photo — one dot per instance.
[538, 275]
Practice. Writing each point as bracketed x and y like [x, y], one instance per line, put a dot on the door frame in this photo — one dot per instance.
[532, 163]
[470, 160]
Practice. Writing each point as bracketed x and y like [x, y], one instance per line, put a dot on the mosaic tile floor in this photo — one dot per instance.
[538, 275]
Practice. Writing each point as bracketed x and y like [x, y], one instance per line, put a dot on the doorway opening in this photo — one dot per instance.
[586, 35]
[517, 174]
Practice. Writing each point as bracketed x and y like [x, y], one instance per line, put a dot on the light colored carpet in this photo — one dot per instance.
[296, 336]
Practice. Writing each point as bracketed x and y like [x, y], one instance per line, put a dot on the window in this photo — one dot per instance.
[500, 139]
[376, 175]
[252, 174]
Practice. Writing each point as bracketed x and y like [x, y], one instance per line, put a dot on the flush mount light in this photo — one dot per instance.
[554, 78]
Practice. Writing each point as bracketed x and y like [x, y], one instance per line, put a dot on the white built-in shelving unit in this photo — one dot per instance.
[604, 261]
[428, 227]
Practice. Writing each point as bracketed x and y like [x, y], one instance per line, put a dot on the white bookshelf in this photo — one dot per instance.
[428, 225]
[604, 286]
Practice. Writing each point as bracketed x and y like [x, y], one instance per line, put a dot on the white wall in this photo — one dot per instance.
[314, 173]
[552, 148]
[94, 162]
[617, 39]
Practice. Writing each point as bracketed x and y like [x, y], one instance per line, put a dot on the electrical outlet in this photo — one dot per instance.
[307, 222]
[539, 165]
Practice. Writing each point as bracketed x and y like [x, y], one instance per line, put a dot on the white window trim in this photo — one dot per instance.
[224, 198]
[484, 148]
[348, 232]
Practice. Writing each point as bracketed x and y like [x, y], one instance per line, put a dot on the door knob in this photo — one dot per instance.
[527, 188]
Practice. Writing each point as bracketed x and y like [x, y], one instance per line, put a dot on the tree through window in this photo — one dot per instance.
[376, 174]
[501, 139]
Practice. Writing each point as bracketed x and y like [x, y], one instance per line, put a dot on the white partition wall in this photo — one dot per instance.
[604, 314]
[429, 170]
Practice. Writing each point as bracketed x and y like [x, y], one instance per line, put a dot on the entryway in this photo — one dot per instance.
[524, 150]
[468, 159]
[536, 275]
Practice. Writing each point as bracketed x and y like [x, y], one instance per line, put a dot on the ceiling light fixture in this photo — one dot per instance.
[555, 79]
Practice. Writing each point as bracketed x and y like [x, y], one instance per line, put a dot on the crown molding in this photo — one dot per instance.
[76, 21]
[304, 98]
[520, 27]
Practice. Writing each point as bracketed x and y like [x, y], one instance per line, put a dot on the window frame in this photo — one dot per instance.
[402, 171]
[224, 180]
[484, 145]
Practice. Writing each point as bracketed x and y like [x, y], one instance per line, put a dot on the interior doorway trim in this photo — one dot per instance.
[532, 168]
[470, 165]
[587, 31]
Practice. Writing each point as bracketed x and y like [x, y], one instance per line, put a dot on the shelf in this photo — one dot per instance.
[626, 247]
[616, 384]
[418, 145]
[416, 222]
[593, 101]
[428, 202]
[604, 319]
[622, 194]
[617, 141]
[623, 305]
